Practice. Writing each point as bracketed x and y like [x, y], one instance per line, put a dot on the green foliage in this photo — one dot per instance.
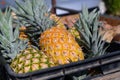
[88, 26]
[9, 37]
[113, 6]
[34, 15]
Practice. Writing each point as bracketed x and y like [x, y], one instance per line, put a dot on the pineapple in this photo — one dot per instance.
[32, 60]
[21, 57]
[54, 40]
[59, 44]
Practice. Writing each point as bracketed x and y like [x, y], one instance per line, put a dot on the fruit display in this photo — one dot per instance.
[41, 40]
[22, 58]
[58, 46]
[55, 41]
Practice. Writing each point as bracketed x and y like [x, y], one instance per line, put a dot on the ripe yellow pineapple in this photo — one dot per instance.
[16, 51]
[54, 40]
[60, 45]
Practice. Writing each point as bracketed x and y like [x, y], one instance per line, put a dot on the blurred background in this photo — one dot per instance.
[105, 6]
[67, 4]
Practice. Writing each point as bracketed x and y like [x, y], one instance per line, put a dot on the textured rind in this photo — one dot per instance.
[30, 60]
[60, 45]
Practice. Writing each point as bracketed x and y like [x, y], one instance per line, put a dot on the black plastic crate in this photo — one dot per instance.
[44, 74]
[108, 63]
[104, 62]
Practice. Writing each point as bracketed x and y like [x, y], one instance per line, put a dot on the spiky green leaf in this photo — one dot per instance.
[34, 15]
[88, 25]
[10, 43]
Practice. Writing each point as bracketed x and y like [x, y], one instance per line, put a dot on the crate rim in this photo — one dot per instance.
[23, 75]
[60, 67]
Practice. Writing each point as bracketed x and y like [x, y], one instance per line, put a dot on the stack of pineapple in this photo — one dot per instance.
[22, 57]
[55, 44]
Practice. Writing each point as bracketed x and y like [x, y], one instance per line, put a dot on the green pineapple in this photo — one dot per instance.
[22, 58]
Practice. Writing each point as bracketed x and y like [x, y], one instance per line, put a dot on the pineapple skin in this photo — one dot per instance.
[74, 32]
[22, 34]
[30, 60]
[60, 45]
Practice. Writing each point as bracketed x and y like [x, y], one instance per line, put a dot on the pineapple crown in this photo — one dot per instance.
[88, 26]
[34, 14]
[10, 44]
